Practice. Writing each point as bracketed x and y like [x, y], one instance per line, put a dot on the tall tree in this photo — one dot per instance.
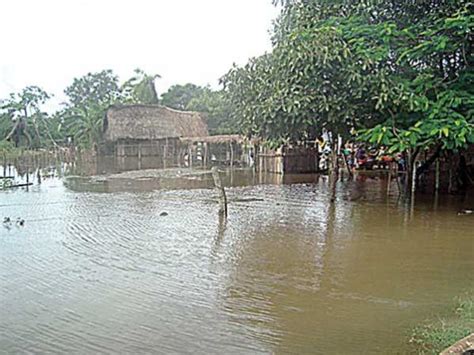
[401, 70]
[89, 97]
[140, 89]
[179, 96]
[213, 104]
[23, 111]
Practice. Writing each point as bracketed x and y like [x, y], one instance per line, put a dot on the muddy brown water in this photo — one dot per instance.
[96, 269]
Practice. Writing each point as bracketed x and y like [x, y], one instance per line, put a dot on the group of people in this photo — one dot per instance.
[363, 157]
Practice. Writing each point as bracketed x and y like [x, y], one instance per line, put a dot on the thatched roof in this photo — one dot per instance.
[232, 138]
[152, 122]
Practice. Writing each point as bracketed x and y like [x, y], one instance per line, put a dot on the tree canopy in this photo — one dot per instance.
[179, 96]
[140, 89]
[401, 72]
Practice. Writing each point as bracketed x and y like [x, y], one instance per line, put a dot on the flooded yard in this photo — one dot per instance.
[99, 268]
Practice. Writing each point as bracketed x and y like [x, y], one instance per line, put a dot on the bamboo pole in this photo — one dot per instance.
[437, 176]
[27, 177]
[205, 154]
[413, 179]
[139, 156]
[231, 155]
[190, 157]
[389, 180]
[165, 153]
[219, 186]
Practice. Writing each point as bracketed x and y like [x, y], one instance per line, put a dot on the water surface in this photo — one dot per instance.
[96, 269]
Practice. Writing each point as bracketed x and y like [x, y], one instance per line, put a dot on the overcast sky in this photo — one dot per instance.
[49, 42]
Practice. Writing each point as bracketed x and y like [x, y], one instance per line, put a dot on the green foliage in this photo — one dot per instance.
[89, 98]
[21, 116]
[99, 88]
[400, 72]
[214, 105]
[179, 96]
[6, 147]
[140, 89]
[431, 102]
[191, 97]
[319, 77]
[440, 334]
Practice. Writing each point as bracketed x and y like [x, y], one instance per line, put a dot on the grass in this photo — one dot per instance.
[437, 335]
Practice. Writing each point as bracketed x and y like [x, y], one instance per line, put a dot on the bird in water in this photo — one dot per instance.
[7, 222]
[466, 211]
[20, 222]
[163, 214]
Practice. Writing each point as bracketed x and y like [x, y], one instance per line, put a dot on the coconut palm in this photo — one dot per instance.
[140, 88]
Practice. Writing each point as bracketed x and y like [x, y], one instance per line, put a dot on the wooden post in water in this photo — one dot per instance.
[38, 175]
[205, 154]
[27, 177]
[165, 153]
[139, 156]
[4, 164]
[437, 176]
[190, 156]
[413, 180]
[389, 179]
[220, 187]
[231, 155]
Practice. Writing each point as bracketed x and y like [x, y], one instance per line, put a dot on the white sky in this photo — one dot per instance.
[49, 42]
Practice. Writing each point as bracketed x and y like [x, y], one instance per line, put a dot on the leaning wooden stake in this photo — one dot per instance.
[413, 179]
[220, 187]
[389, 179]
[437, 176]
[27, 178]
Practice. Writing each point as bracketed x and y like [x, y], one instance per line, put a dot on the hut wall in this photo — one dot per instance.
[288, 160]
[214, 153]
[270, 160]
[143, 154]
[300, 159]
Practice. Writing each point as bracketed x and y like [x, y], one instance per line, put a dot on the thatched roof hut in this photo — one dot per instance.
[148, 122]
[232, 138]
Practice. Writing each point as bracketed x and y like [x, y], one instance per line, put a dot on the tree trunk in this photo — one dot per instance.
[410, 178]
[220, 187]
[334, 169]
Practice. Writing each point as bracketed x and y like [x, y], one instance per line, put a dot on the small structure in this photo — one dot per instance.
[298, 159]
[147, 132]
[154, 136]
[231, 150]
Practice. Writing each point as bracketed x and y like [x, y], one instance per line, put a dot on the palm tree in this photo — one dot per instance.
[85, 125]
[140, 88]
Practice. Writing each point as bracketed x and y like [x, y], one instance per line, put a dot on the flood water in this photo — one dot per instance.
[96, 269]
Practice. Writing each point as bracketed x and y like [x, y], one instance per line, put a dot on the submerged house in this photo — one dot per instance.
[153, 136]
[150, 133]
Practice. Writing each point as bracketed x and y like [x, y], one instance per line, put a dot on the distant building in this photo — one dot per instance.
[150, 123]
[153, 136]
[150, 133]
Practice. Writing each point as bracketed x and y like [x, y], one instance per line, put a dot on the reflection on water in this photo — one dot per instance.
[287, 272]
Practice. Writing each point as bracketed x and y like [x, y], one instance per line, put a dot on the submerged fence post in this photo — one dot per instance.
[437, 176]
[27, 177]
[413, 183]
[220, 187]
[389, 179]
[139, 156]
